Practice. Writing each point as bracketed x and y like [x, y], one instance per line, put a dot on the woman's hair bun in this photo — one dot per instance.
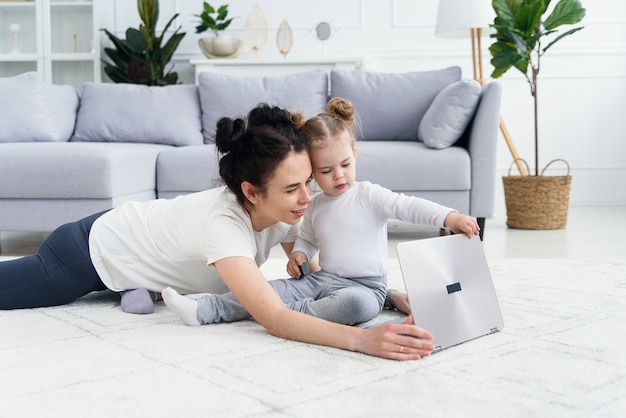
[228, 133]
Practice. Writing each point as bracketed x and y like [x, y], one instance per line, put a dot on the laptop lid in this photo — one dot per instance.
[450, 288]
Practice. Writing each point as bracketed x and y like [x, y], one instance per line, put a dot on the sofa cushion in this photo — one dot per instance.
[138, 113]
[77, 170]
[390, 105]
[411, 166]
[449, 114]
[231, 96]
[185, 170]
[63, 102]
[25, 115]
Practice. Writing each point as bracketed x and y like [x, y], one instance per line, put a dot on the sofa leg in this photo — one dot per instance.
[481, 225]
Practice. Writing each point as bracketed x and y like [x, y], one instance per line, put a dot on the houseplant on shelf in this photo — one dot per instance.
[524, 32]
[142, 58]
[217, 21]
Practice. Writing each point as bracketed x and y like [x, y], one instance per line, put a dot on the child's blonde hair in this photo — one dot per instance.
[339, 117]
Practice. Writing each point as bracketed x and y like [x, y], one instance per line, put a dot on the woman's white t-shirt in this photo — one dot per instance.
[174, 242]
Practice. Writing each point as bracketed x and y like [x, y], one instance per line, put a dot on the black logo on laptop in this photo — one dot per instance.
[454, 287]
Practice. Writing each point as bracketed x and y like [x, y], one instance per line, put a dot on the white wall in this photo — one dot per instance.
[582, 86]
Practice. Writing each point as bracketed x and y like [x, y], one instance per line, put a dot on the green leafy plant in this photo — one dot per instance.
[142, 57]
[520, 27]
[214, 20]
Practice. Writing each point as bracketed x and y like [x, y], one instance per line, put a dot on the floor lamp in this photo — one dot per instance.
[463, 18]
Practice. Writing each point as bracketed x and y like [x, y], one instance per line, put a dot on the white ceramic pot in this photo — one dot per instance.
[217, 48]
[222, 46]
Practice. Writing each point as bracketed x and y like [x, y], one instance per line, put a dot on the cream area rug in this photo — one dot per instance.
[562, 353]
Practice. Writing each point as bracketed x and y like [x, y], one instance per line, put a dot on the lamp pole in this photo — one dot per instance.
[457, 18]
[477, 64]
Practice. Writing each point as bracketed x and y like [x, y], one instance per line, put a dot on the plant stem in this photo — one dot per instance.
[535, 71]
[536, 123]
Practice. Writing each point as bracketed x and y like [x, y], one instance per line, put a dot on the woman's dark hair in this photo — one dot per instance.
[252, 148]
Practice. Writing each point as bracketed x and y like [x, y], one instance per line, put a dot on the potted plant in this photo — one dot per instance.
[216, 21]
[142, 57]
[524, 32]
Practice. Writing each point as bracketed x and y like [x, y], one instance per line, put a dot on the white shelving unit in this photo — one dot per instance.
[255, 67]
[56, 37]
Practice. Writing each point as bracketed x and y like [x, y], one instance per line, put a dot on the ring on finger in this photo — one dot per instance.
[401, 349]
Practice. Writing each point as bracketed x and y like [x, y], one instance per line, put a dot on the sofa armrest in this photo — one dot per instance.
[482, 148]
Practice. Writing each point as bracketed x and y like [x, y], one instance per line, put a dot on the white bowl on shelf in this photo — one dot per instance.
[220, 47]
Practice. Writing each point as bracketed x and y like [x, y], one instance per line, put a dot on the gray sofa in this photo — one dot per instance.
[65, 156]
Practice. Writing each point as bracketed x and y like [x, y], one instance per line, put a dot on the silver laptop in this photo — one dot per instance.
[450, 289]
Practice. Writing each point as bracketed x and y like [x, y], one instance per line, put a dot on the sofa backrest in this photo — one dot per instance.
[33, 111]
[390, 105]
[168, 115]
[223, 95]
[63, 102]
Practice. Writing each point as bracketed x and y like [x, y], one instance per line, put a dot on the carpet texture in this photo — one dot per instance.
[560, 354]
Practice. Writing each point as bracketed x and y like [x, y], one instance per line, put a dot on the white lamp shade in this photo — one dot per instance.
[455, 18]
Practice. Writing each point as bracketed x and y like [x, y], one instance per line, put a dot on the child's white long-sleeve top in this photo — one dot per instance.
[350, 230]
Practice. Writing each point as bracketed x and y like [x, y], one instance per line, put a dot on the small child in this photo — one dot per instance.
[347, 224]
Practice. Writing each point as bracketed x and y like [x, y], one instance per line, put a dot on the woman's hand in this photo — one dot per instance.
[397, 341]
[461, 224]
[392, 341]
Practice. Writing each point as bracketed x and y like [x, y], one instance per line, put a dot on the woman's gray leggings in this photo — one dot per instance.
[324, 295]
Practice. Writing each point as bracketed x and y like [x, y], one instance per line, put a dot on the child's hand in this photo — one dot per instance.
[461, 224]
[293, 265]
[401, 301]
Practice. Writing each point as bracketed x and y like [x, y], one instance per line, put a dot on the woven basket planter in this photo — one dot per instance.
[537, 202]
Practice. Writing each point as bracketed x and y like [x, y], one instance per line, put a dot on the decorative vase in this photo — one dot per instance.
[537, 202]
[220, 47]
[284, 38]
[255, 31]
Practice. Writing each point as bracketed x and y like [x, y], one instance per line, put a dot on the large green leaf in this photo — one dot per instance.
[208, 8]
[566, 12]
[149, 13]
[158, 41]
[506, 10]
[222, 12]
[148, 39]
[529, 16]
[136, 41]
[120, 60]
[563, 35]
[120, 44]
[505, 57]
[117, 75]
[170, 46]
[224, 25]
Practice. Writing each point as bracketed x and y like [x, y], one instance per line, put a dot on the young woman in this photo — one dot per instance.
[346, 224]
[210, 241]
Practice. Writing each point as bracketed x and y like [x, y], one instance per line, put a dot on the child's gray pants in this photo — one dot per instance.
[321, 294]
